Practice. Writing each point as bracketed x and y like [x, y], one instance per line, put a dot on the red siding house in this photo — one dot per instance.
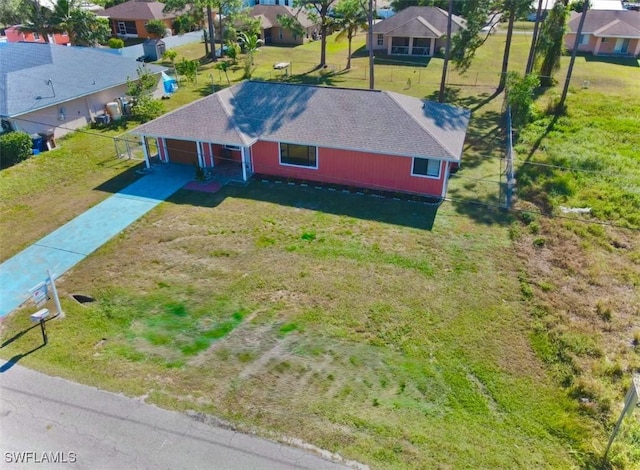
[360, 138]
[14, 34]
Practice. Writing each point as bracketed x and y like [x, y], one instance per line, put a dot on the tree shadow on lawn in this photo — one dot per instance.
[360, 206]
[121, 180]
[615, 60]
[472, 103]
[382, 58]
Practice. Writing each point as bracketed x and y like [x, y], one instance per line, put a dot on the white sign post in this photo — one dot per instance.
[630, 402]
[40, 293]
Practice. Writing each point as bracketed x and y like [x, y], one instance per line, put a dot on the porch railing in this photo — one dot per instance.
[420, 51]
[400, 50]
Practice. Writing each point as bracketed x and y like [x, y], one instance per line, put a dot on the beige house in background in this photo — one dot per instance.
[606, 32]
[271, 32]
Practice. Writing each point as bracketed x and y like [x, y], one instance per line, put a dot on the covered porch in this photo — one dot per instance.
[223, 163]
[413, 46]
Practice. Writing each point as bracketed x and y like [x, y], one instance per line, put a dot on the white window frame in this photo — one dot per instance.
[604, 40]
[420, 175]
[291, 164]
[380, 40]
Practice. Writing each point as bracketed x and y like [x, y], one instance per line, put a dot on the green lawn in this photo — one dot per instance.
[364, 325]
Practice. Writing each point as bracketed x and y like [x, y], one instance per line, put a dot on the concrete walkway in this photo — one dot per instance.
[65, 247]
[44, 418]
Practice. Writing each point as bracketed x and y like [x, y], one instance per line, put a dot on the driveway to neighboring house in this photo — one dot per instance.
[65, 247]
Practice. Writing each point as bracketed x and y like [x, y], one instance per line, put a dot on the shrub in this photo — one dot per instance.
[156, 27]
[146, 108]
[188, 68]
[14, 147]
[116, 43]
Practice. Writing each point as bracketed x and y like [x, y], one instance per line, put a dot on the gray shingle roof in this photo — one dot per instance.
[138, 10]
[270, 13]
[623, 23]
[434, 16]
[363, 120]
[26, 68]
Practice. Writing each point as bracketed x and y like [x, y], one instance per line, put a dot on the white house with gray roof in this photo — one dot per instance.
[47, 88]
[351, 137]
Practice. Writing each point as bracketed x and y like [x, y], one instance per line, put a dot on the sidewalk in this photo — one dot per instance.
[65, 247]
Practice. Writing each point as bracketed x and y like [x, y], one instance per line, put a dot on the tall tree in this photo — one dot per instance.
[319, 12]
[88, 29]
[534, 39]
[13, 12]
[447, 51]
[565, 89]
[513, 9]
[551, 42]
[467, 41]
[198, 5]
[350, 15]
[39, 20]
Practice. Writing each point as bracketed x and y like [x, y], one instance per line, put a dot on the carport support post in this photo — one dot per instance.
[244, 163]
[143, 139]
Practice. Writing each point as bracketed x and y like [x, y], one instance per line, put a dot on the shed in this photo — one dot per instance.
[153, 49]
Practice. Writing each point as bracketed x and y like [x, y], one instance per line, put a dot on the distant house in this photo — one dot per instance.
[606, 32]
[416, 31]
[129, 19]
[15, 34]
[360, 138]
[272, 31]
[53, 89]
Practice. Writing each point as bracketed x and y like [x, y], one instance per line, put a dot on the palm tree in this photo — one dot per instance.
[350, 15]
[39, 21]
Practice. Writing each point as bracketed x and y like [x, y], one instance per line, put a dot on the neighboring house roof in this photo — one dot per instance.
[268, 15]
[38, 75]
[419, 21]
[609, 23]
[594, 4]
[138, 10]
[352, 119]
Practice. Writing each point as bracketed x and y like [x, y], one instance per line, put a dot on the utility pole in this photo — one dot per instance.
[370, 35]
[565, 90]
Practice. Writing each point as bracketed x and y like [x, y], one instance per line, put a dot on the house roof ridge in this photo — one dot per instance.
[447, 150]
[606, 26]
[429, 25]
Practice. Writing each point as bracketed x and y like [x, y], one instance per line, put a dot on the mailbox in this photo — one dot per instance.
[40, 315]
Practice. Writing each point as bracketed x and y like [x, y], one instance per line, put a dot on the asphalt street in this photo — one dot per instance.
[48, 422]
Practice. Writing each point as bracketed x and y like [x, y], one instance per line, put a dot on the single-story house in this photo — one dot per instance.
[15, 34]
[52, 89]
[606, 32]
[271, 32]
[418, 31]
[129, 19]
[362, 138]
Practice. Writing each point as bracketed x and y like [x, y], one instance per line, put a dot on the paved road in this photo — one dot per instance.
[101, 430]
[65, 247]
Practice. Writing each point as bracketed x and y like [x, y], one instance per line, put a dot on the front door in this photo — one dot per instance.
[622, 46]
